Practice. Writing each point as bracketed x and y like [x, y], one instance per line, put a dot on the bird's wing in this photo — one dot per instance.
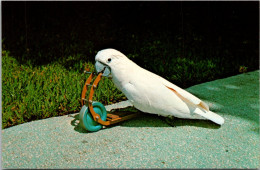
[184, 94]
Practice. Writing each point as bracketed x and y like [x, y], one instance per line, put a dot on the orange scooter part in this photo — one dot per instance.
[112, 118]
[85, 88]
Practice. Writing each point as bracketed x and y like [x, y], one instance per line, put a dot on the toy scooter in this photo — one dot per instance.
[93, 115]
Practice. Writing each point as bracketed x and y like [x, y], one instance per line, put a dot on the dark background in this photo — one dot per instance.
[153, 34]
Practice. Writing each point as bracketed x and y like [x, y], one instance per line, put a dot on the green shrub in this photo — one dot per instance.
[33, 89]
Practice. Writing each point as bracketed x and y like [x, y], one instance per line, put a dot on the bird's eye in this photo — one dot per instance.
[109, 60]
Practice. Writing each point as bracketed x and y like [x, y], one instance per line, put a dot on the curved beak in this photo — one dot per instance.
[100, 67]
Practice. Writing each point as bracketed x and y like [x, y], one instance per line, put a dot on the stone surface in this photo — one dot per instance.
[148, 141]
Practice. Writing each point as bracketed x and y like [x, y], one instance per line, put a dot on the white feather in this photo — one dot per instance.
[210, 115]
[151, 93]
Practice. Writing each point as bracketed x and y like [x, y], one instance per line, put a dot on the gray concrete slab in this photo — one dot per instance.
[148, 141]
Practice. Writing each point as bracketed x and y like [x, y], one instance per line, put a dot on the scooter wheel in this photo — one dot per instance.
[86, 119]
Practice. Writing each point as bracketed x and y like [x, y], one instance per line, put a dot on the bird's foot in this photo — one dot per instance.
[170, 120]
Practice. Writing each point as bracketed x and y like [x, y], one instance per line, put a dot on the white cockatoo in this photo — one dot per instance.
[149, 92]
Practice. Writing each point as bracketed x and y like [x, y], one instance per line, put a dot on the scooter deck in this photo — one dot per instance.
[118, 116]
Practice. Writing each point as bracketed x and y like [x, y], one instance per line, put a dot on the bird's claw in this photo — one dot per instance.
[170, 120]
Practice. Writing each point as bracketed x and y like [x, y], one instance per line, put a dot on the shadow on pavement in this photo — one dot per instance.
[192, 122]
[77, 127]
[150, 120]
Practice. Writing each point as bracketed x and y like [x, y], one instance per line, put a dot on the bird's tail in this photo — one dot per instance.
[210, 115]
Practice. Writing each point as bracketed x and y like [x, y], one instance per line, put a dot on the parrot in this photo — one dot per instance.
[149, 92]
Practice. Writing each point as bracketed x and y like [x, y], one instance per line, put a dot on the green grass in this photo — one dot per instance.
[32, 93]
[49, 83]
[36, 91]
